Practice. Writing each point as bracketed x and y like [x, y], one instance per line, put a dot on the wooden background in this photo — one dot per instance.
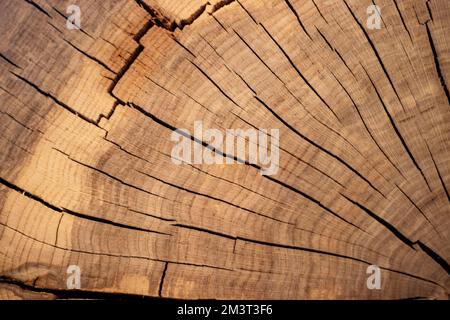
[86, 176]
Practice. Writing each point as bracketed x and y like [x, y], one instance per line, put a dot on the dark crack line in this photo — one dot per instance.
[386, 224]
[295, 156]
[164, 124]
[257, 56]
[183, 46]
[60, 103]
[345, 63]
[246, 83]
[16, 121]
[220, 4]
[325, 39]
[437, 64]
[299, 73]
[29, 195]
[87, 55]
[128, 62]
[110, 175]
[403, 20]
[63, 210]
[241, 186]
[319, 11]
[213, 198]
[317, 202]
[265, 243]
[111, 223]
[317, 145]
[161, 283]
[75, 293]
[427, 3]
[216, 85]
[126, 151]
[276, 76]
[439, 175]
[433, 255]
[38, 7]
[377, 55]
[335, 255]
[9, 61]
[417, 17]
[248, 13]
[122, 72]
[355, 105]
[298, 18]
[420, 210]
[113, 255]
[160, 86]
[283, 149]
[199, 229]
[397, 131]
[220, 23]
[65, 18]
[13, 143]
[153, 216]
[164, 22]
[55, 28]
[251, 89]
[57, 229]
[141, 33]
[235, 239]
[193, 17]
[157, 18]
[436, 257]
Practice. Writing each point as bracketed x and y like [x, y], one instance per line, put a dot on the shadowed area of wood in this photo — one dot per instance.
[87, 179]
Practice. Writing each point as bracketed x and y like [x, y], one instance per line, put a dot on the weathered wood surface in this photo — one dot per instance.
[86, 174]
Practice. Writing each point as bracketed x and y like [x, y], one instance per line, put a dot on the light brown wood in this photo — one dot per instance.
[87, 177]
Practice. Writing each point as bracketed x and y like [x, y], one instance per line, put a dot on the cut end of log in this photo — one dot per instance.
[225, 149]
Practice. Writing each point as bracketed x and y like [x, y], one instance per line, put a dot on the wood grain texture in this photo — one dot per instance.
[86, 176]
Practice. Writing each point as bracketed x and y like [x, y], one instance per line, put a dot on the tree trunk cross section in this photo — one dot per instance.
[93, 205]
